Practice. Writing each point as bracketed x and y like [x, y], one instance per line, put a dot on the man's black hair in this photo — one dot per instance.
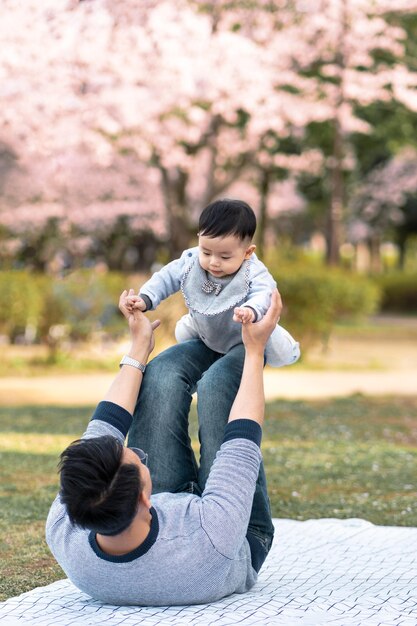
[227, 217]
[99, 491]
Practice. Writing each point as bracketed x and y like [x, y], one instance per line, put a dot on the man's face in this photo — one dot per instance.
[222, 256]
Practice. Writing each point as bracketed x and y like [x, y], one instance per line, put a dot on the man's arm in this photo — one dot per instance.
[226, 502]
[250, 399]
[113, 415]
[125, 388]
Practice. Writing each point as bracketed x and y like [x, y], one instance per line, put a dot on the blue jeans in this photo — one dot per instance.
[160, 424]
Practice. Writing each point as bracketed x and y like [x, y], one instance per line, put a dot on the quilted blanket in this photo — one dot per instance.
[326, 571]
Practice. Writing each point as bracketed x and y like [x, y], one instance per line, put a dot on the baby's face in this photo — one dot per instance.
[222, 256]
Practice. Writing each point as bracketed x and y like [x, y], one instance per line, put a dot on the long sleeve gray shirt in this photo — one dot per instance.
[212, 311]
[196, 550]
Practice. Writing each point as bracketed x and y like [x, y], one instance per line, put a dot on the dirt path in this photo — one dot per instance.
[285, 383]
[373, 364]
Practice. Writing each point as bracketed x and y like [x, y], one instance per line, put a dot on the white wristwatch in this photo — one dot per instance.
[127, 360]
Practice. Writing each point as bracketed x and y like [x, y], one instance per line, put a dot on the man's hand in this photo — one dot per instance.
[244, 315]
[255, 336]
[141, 329]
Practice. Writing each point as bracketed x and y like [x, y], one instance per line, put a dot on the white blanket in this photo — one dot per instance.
[327, 571]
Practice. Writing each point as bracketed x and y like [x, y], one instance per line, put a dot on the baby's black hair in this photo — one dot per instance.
[227, 217]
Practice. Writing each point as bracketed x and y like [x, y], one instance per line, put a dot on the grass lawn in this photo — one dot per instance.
[350, 457]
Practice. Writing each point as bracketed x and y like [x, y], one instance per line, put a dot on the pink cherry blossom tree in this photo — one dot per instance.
[345, 54]
[195, 96]
[386, 202]
[354, 57]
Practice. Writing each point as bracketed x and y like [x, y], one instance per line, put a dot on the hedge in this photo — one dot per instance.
[399, 292]
[75, 307]
[21, 303]
[56, 309]
[316, 298]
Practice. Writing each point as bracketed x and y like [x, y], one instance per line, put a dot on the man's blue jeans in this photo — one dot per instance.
[160, 424]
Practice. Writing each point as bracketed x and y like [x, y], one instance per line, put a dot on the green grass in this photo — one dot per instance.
[350, 457]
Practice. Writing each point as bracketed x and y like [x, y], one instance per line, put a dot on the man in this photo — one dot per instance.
[120, 544]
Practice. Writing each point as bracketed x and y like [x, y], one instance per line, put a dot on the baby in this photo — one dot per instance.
[223, 283]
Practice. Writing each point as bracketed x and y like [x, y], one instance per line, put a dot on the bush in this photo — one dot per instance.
[315, 298]
[80, 304]
[51, 309]
[75, 307]
[399, 292]
[21, 304]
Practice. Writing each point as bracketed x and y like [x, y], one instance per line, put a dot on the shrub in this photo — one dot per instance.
[399, 292]
[315, 298]
[75, 307]
[21, 303]
[52, 309]
[79, 304]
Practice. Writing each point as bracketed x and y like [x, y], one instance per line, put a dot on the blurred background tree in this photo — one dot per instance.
[121, 121]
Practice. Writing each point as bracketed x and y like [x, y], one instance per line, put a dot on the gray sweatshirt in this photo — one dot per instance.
[211, 309]
[196, 550]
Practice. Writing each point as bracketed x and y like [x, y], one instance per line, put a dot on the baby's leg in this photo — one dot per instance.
[281, 349]
[185, 329]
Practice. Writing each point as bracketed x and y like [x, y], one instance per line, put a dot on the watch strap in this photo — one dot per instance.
[127, 360]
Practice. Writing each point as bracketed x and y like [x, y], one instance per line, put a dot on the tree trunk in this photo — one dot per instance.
[263, 212]
[375, 253]
[174, 192]
[334, 222]
[402, 248]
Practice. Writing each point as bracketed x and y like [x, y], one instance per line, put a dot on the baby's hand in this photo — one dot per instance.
[244, 315]
[135, 302]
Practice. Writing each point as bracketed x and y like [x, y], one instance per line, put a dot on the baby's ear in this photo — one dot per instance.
[250, 250]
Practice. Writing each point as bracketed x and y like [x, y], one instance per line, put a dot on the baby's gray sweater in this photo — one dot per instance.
[196, 551]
